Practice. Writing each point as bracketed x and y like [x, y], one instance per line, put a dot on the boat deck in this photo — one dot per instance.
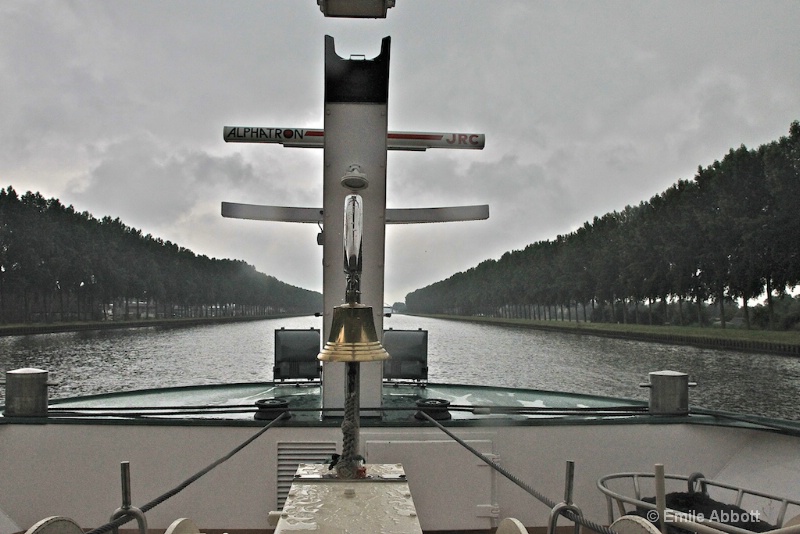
[253, 404]
[236, 403]
[169, 433]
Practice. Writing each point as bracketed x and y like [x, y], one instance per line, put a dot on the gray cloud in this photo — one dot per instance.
[118, 107]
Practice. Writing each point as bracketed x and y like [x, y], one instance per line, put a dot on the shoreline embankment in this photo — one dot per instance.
[786, 343]
[53, 328]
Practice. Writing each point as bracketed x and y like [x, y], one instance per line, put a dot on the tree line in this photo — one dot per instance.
[58, 264]
[729, 235]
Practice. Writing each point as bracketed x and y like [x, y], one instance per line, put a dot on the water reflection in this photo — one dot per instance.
[101, 362]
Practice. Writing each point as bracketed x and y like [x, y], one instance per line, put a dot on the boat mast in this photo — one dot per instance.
[356, 127]
[355, 140]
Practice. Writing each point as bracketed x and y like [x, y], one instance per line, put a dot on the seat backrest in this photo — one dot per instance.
[408, 351]
[55, 525]
[510, 525]
[296, 354]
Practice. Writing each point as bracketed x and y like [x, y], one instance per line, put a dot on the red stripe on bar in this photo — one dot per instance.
[420, 137]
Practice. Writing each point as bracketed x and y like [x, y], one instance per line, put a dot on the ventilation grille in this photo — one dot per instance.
[291, 454]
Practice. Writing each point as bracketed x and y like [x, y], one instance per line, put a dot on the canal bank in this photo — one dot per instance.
[783, 343]
[51, 328]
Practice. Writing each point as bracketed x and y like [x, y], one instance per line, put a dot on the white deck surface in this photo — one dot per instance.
[381, 502]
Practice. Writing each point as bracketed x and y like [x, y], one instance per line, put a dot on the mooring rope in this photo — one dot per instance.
[108, 527]
[347, 466]
[572, 516]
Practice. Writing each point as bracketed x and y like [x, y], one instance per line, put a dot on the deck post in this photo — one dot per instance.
[669, 392]
[26, 393]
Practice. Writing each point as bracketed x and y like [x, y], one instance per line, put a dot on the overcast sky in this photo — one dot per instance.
[117, 107]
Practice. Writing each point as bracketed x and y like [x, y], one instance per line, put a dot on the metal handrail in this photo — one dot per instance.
[692, 481]
[565, 508]
[127, 513]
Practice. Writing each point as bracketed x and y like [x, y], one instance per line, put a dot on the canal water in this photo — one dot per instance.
[459, 352]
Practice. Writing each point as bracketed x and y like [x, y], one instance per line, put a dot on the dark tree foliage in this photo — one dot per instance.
[730, 234]
[57, 264]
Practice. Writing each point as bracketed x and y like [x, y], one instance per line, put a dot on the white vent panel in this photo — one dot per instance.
[293, 453]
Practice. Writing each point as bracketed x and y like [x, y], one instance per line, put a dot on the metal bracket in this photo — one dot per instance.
[693, 480]
[566, 506]
[488, 510]
[126, 508]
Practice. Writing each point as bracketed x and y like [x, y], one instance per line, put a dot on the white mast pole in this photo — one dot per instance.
[356, 127]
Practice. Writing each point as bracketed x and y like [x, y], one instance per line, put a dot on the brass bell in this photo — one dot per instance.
[353, 337]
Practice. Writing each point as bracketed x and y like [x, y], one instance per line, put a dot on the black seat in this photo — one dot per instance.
[408, 351]
[296, 354]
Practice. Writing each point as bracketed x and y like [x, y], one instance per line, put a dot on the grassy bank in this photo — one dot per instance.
[50, 328]
[787, 343]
